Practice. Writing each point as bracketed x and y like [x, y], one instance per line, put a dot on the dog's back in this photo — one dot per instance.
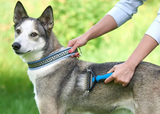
[64, 89]
[141, 96]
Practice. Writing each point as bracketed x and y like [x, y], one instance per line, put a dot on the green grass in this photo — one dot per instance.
[21, 102]
[72, 18]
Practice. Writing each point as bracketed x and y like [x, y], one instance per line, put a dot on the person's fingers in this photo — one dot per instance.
[116, 81]
[75, 46]
[122, 74]
[124, 84]
[71, 43]
[126, 81]
[109, 79]
[76, 54]
[120, 83]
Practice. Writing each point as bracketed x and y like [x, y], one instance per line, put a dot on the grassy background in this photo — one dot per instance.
[72, 18]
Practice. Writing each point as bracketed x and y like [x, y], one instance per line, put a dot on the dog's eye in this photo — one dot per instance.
[18, 31]
[34, 34]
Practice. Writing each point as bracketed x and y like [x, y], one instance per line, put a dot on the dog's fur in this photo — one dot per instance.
[59, 88]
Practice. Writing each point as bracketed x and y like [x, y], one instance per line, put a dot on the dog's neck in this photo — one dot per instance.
[52, 45]
[52, 58]
[53, 52]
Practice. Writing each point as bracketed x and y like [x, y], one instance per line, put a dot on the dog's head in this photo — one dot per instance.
[32, 36]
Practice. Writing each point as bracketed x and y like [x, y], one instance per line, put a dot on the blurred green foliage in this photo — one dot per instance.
[72, 18]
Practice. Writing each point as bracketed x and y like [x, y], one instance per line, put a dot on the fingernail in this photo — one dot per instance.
[77, 54]
[70, 51]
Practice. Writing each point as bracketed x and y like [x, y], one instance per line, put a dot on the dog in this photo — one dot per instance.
[60, 85]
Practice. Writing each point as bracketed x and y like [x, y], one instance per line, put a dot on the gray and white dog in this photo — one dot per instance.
[60, 84]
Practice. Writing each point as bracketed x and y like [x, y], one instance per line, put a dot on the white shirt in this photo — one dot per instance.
[124, 11]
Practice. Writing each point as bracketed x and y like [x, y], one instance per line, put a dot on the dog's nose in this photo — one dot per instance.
[16, 46]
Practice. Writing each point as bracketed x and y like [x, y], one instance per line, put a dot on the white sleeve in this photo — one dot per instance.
[124, 10]
[154, 29]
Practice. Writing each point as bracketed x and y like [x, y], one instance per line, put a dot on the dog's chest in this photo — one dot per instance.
[34, 75]
[42, 72]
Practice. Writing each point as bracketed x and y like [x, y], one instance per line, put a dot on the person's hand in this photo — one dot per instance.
[122, 74]
[75, 43]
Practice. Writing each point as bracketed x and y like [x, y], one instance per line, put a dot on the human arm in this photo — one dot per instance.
[123, 73]
[106, 24]
[122, 12]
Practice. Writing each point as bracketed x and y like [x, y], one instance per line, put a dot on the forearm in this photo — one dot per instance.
[106, 24]
[118, 15]
[150, 40]
[146, 45]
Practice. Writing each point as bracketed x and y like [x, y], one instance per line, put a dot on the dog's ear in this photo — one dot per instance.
[47, 18]
[19, 13]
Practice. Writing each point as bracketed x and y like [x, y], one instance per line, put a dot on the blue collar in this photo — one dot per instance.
[55, 57]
